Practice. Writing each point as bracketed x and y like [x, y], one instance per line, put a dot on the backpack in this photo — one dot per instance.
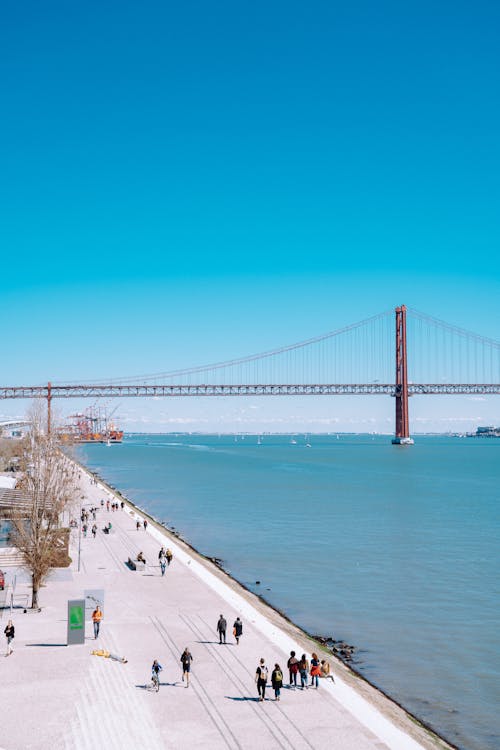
[278, 676]
[294, 668]
[263, 673]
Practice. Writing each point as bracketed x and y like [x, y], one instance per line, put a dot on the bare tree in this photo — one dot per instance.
[48, 486]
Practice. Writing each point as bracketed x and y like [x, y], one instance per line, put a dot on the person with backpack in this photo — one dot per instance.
[156, 668]
[169, 555]
[303, 669]
[237, 630]
[315, 670]
[293, 668]
[261, 675]
[277, 681]
[221, 628]
[186, 659]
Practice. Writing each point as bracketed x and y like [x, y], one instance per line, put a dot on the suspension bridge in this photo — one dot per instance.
[398, 353]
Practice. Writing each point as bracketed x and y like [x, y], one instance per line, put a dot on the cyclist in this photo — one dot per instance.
[156, 668]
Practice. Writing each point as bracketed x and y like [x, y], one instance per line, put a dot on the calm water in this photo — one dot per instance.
[395, 550]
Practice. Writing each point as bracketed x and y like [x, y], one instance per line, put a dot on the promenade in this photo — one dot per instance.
[59, 696]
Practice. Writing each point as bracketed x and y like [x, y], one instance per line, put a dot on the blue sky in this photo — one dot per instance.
[183, 183]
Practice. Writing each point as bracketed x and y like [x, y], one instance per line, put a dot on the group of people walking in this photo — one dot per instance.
[315, 669]
[222, 626]
[165, 557]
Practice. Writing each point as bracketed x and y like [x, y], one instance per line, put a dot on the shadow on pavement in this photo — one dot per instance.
[149, 687]
[243, 698]
[216, 643]
[48, 645]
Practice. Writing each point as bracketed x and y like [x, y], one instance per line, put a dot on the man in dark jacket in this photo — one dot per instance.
[221, 628]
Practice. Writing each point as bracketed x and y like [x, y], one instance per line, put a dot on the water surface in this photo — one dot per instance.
[393, 549]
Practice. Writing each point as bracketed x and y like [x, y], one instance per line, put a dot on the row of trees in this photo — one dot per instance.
[48, 488]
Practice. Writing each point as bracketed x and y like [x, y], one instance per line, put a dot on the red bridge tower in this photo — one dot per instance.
[402, 418]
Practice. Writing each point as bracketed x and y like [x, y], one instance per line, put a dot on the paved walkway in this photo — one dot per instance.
[62, 697]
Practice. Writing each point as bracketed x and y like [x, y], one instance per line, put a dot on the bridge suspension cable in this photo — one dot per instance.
[348, 354]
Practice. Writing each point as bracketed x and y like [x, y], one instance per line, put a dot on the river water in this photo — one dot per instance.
[393, 549]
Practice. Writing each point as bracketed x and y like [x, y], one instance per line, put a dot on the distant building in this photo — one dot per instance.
[14, 429]
[486, 432]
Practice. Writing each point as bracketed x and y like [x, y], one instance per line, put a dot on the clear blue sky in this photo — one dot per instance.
[188, 182]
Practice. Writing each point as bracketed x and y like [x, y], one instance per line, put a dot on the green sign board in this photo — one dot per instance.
[76, 621]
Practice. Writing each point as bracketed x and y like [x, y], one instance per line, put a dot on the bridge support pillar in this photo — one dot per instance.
[402, 433]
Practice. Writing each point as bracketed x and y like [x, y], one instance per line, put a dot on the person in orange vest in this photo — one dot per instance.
[96, 619]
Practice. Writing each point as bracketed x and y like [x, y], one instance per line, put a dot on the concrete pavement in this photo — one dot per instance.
[61, 696]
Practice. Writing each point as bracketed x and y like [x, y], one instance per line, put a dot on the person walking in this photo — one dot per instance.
[303, 669]
[156, 668]
[94, 530]
[293, 668]
[237, 630]
[137, 525]
[84, 529]
[163, 561]
[315, 670]
[186, 659]
[97, 616]
[145, 524]
[277, 681]
[261, 675]
[169, 555]
[221, 628]
[9, 635]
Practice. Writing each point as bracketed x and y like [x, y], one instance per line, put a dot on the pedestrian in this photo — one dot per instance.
[122, 504]
[315, 670]
[261, 674]
[102, 502]
[221, 628]
[9, 634]
[84, 529]
[97, 616]
[93, 514]
[94, 530]
[137, 525]
[293, 668]
[237, 630]
[169, 555]
[277, 681]
[325, 671]
[145, 524]
[107, 505]
[163, 561]
[186, 659]
[303, 669]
